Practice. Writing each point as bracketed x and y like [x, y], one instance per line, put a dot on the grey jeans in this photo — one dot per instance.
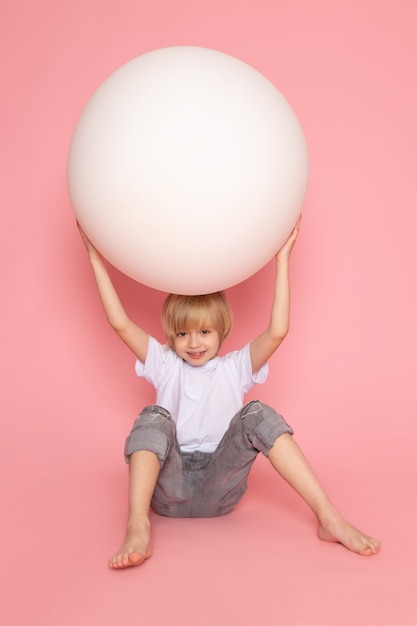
[201, 484]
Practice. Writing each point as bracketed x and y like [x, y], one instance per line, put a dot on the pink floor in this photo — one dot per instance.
[261, 564]
[344, 378]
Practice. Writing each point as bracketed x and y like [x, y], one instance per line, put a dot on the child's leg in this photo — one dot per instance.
[222, 485]
[149, 446]
[289, 461]
[144, 469]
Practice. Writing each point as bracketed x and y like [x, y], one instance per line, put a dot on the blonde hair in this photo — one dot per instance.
[184, 313]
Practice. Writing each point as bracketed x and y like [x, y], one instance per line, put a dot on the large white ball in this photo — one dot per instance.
[187, 169]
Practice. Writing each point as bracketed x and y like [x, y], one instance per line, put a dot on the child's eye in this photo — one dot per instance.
[205, 332]
[181, 334]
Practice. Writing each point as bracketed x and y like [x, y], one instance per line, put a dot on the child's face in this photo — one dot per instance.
[197, 347]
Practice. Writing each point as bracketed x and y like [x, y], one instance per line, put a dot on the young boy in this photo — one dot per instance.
[190, 454]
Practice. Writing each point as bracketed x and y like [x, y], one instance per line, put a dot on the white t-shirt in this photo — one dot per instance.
[201, 400]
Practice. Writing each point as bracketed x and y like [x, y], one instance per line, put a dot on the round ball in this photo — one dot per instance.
[188, 170]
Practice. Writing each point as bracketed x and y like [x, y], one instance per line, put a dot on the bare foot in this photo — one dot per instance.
[335, 528]
[135, 549]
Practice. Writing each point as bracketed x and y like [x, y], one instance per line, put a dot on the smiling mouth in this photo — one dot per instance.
[195, 355]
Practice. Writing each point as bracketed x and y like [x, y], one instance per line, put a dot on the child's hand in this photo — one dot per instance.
[91, 249]
[285, 251]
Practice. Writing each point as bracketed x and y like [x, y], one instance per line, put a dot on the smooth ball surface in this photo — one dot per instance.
[188, 170]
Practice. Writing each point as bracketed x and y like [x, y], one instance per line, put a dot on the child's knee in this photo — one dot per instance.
[154, 416]
[153, 430]
[264, 425]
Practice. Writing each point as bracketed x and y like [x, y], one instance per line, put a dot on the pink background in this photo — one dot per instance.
[345, 377]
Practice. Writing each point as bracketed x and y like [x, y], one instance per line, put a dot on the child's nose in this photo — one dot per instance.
[194, 339]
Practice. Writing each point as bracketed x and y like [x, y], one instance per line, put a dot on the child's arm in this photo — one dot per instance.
[133, 336]
[266, 344]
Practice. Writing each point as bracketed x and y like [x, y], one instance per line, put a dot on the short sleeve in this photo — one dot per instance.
[242, 362]
[157, 361]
